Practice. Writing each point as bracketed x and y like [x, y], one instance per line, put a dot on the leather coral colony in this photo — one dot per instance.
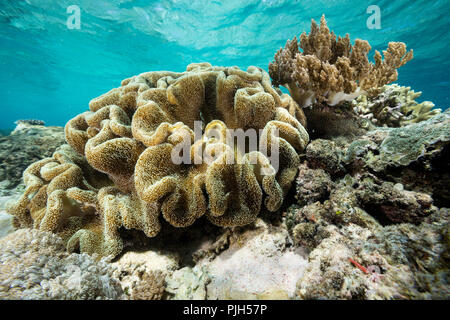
[117, 170]
[333, 70]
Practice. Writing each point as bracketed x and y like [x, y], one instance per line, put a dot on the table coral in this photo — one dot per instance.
[333, 70]
[119, 171]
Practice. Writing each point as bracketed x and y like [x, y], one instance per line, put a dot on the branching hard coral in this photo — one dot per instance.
[332, 70]
[394, 106]
[121, 171]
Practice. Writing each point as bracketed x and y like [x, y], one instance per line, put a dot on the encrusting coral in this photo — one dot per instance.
[333, 70]
[119, 171]
[394, 106]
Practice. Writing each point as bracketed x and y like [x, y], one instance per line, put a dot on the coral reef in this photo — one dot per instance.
[35, 265]
[375, 219]
[415, 156]
[26, 144]
[368, 218]
[401, 146]
[118, 171]
[333, 70]
[392, 174]
[394, 106]
[412, 157]
[402, 262]
[367, 201]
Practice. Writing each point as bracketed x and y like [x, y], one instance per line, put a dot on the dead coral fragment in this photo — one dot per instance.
[123, 174]
[332, 70]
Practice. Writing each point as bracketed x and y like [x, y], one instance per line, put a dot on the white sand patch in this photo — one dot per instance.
[262, 266]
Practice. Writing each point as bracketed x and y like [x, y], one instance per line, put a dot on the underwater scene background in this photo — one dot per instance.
[187, 150]
[51, 72]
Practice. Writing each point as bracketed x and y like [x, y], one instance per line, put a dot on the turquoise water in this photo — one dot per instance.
[50, 72]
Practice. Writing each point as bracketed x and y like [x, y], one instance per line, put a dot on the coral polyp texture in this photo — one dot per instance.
[118, 169]
[333, 70]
